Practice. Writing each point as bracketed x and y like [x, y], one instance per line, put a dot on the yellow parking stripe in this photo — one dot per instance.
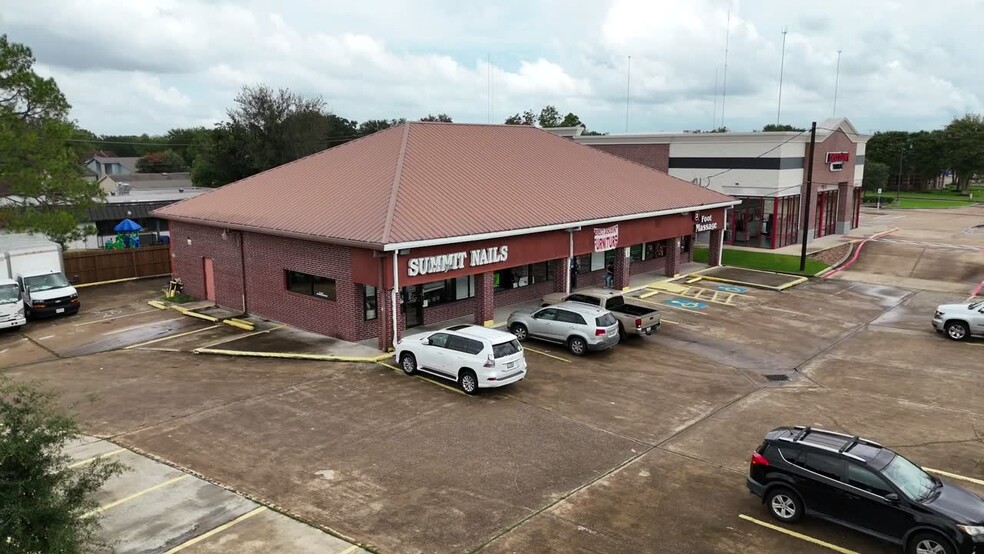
[94, 458]
[169, 337]
[954, 476]
[135, 495]
[216, 531]
[800, 536]
[547, 354]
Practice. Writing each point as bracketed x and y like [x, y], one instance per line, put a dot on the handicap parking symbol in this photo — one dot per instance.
[731, 288]
[686, 304]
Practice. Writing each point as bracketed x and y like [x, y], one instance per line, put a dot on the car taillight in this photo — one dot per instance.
[639, 322]
[759, 460]
[490, 362]
[600, 332]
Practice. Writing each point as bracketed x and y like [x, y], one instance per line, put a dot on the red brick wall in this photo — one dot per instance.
[187, 262]
[824, 179]
[656, 156]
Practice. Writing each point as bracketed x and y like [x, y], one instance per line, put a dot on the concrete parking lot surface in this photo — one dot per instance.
[643, 448]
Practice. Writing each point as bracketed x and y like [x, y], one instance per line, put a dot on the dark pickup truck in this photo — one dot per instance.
[633, 319]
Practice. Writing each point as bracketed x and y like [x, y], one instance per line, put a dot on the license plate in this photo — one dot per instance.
[60, 311]
[510, 365]
[611, 332]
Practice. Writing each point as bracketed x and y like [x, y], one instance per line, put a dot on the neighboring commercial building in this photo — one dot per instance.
[102, 165]
[766, 171]
[445, 219]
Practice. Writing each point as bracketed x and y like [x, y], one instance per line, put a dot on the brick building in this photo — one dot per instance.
[766, 171]
[439, 220]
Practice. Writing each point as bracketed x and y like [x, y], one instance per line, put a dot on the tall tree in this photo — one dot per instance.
[773, 127]
[549, 117]
[48, 194]
[526, 118]
[571, 120]
[965, 148]
[441, 117]
[875, 175]
[372, 125]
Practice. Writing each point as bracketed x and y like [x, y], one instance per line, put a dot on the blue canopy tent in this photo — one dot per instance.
[127, 236]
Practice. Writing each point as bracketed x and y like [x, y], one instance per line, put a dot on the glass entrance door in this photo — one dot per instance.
[413, 305]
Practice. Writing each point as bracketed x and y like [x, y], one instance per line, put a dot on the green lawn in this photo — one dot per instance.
[766, 261]
[912, 201]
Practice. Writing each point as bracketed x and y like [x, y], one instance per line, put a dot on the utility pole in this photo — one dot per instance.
[628, 81]
[809, 193]
[714, 121]
[898, 190]
[782, 63]
[724, 85]
[836, 82]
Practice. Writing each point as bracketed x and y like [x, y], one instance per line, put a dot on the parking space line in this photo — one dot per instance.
[216, 531]
[547, 354]
[135, 495]
[46, 337]
[94, 458]
[398, 370]
[125, 329]
[672, 306]
[243, 336]
[350, 549]
[169, 337]
[668, 321]
[104, 320]
[800, 536]
[954, 476]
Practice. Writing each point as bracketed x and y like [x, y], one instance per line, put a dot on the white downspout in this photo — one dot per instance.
[395, 293]
[570, 260]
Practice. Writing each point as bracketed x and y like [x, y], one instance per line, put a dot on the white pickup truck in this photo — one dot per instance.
[633, 319]
[34, 264]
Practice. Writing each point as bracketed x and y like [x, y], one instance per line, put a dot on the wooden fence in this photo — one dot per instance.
[92, 266]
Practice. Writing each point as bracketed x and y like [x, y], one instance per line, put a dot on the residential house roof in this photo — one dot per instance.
[442, 182]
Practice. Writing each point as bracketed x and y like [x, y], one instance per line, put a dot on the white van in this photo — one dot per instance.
[11, 307]
[35, 264]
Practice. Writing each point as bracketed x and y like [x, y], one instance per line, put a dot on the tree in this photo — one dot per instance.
[549, 117]
[964, 139]
[45, 501]
[526, 118]
[875, 175]
[187, 142]
[571, 120]
[441, 117]
[373, 125]
[48, 194]
[267, 128]
[773, 127]
[167, 161]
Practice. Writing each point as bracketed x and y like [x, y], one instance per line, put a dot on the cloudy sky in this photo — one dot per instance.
[149, 65]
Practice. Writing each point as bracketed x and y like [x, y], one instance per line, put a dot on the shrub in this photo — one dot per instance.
[45, 502]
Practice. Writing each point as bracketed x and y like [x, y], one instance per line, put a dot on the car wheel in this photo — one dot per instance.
[957, 330]
[468, 381]
[621, 332]
[409, 363]
[577, 346]
[784, 505]
[520, 331]
[929, 543]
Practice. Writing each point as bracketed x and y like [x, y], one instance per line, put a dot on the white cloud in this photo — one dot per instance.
[150, 65]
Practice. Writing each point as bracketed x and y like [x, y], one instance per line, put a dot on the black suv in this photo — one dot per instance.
[862, 485]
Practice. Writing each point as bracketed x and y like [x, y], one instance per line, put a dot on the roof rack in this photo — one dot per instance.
[849, 444]
[803, 432]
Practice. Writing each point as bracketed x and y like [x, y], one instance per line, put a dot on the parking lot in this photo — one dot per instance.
[641, 448]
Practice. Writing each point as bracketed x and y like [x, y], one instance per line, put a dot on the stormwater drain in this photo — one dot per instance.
[777, 377]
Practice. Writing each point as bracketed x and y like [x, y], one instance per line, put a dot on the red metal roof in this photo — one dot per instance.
[429, 181]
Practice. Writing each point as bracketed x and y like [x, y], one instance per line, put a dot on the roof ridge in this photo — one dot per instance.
[397, 177]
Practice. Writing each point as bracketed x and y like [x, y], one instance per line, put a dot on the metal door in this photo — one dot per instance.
[209, 279]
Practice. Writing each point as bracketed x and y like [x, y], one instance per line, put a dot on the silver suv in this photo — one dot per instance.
[960, 321]
[578, 326]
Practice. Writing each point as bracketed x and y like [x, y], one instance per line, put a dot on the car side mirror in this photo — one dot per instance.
[892, 498]
[425, 341]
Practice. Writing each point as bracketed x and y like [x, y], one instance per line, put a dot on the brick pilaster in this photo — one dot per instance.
[672, 256]
[484, 301]
[621, 267]
[714, 248]
[561, 273]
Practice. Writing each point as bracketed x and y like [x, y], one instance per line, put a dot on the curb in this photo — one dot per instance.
[113, 281]
[839, 262]
[230, 321]
[294, 356]
[857, 252]
[798, 280]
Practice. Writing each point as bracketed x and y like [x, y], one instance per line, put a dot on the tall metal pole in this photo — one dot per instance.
[836, 82]
[782, 63]
[714, 121]
[809, 193]
[898, 190]
[488, 67]
[628, 81]
[724, 86]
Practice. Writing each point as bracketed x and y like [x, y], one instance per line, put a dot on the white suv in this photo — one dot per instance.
[472, 356]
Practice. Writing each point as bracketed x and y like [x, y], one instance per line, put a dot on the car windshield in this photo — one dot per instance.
[46, 282]
[506, 349]
[914, 482]
[9, 294]
[606, 320]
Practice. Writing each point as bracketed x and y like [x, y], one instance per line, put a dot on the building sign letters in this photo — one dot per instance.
[457, 260]
[835, 157]
[704, 223]
[605, 238]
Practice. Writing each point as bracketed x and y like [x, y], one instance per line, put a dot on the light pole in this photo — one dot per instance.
[898, 189]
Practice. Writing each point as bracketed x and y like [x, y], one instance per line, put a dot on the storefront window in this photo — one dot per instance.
[656, 249]
[583, 263]
[438, 292]
[542, 271]
[685, 243]
[312, 285]
[610, 256]
[369, 303]
[635, 253]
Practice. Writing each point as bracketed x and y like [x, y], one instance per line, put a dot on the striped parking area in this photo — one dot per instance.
[153, 507]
